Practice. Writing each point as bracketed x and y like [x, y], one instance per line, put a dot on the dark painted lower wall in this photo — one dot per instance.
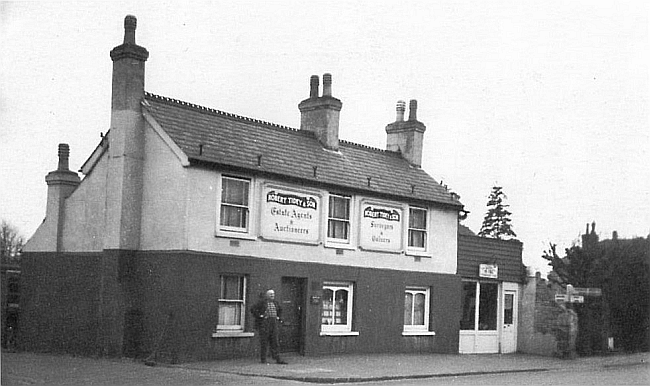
[165, 303]
[59, 305]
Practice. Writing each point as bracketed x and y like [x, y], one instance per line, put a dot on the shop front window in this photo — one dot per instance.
[468, 306]
[486, 295]
[487, 317]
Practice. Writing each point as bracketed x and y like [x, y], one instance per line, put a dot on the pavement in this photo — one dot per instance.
[31, 368]
[383, 367]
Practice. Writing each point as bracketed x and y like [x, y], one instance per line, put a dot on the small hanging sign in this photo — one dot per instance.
[490, 271]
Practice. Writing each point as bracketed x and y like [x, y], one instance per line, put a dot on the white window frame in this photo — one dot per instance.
[426, 230]
[339, 329]
[419, 329]
[334, 242]
[230, 231]
[232, 328]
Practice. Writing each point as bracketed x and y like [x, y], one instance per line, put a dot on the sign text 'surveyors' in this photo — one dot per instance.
[381, 228]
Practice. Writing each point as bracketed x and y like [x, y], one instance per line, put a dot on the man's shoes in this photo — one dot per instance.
[281, 362]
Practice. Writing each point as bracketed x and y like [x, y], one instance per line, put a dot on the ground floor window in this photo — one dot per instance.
[483, 317]
[416, 309]
[232, 303]
[336, 311]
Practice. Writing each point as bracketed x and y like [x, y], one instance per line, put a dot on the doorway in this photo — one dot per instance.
[509, 324]
[292, 301]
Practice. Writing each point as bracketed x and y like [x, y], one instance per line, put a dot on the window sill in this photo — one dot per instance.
[335, 245]
[393, 251]
[418, 333]
[417, 253]
[233, 334]
[235, 235]
[339, 333]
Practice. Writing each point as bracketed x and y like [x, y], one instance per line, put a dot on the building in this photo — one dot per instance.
[186, 214]
[492, 282]
[10, 302]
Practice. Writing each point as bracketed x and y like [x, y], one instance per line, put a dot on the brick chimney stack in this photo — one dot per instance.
[590, 240]
[406, 137]
[126, 143]
[60, 185]
[320, 115]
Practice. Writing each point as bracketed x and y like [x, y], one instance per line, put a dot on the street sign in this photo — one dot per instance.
[576, 299]
[561, 298]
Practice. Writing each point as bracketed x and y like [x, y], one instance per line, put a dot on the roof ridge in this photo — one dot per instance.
[215, 111]
[366, 146]
[241, 117]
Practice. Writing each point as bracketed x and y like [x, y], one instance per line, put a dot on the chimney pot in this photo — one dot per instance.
[313, 86]
[327, 85]
[413, 110]
[401, 108]
[130, 24]
[406, 137]
[64, 156]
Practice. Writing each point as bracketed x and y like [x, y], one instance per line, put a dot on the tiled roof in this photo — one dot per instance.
[215, 137]
[465, 231]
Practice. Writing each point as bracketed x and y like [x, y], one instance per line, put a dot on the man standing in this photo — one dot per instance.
[267, 313]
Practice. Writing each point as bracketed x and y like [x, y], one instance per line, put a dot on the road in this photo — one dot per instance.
[35, 369]
[610, 376]
[52, 369]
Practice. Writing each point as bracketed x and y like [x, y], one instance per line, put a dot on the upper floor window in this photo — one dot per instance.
[416, 309]
[417, 237]
[232, 307]
[235, 209]
[338, 218]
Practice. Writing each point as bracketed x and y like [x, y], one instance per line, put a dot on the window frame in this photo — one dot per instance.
[424, 328]
[426, 230]
[232, 328]
[230, 231]
[335, 242]
[339, 329]
[482, 314]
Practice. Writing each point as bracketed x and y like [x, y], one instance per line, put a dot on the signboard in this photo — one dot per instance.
[587, 291]
[290, 215]
[381, 228]
[561, 298]
[569, 298]
[488, 270]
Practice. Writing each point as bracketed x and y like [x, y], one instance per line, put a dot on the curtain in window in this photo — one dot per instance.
[414, 309]
[234, 203]
[417, 228]
[339, 217]
[231, 301]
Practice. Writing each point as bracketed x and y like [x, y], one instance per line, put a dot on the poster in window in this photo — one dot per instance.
[381, 228]
[290, 215]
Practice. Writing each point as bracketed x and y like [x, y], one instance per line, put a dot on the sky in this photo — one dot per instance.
[547, 99]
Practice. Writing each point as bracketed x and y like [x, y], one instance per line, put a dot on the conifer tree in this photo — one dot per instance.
[496, 223]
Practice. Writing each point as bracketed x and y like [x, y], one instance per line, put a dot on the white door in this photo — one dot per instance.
[509, 322]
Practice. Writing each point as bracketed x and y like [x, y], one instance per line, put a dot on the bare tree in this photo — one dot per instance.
[11, 242]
